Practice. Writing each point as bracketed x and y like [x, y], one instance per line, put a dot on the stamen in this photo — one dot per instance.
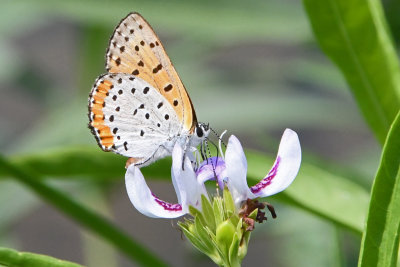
[219, 144]
[203, 156]
[219, 137]
[197, 160]
[271, 209]
[209, 156]
[249, 207]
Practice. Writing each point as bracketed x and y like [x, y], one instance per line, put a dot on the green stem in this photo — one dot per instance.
[13, 258]
[84, 216]
[92, 243]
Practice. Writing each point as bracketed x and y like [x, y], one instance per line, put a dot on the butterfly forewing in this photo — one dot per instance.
[135, 49]
[130, 117]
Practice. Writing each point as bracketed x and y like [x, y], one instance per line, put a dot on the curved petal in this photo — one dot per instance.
[144, 200]
[187, 187]
[236, 167]
[211, 168]
[285, 168]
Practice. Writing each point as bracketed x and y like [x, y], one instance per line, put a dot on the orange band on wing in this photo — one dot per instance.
[102, 131]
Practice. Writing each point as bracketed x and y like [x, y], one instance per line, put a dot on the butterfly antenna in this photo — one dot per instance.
[218, 136]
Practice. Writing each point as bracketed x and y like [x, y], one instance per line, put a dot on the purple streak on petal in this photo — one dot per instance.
[213, 161]
[206, 170]
[268, 179]
[167, 205]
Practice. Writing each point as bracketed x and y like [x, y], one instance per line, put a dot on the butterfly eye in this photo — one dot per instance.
[199, 131]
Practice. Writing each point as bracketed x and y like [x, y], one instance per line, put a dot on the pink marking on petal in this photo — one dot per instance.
[268, 179]
[167, 205]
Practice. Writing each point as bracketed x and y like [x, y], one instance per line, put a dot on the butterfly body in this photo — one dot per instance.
[140, 108]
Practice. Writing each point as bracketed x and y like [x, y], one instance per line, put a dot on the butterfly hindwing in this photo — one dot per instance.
[130, 117]
[135, 49]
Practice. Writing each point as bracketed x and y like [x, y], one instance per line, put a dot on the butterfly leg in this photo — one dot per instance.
[183, 160]
[186, 147]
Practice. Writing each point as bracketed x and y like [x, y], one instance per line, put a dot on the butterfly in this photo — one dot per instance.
[140, 107]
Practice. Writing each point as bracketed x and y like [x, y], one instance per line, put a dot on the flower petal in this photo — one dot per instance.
[285, 168]
[236, 167]
[144, 200]
[187, 187]
[211, 168]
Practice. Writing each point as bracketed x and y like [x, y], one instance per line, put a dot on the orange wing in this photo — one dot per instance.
[134, 48]
[97, 124]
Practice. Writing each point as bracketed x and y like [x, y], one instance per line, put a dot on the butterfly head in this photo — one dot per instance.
[201, 132]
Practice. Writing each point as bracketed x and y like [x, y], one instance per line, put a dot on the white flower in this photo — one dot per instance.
[234, 169]
[230, 170]
[187, 188]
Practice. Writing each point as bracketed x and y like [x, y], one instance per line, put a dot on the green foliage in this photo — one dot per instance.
[208, 213]
[330, 196]
[84, 216]
[11, 258]
[70, 162]
[223, 239]
[81, 161]
[352, 33]
[392, 10]
[380, 243]
[334, 197]
[355, 36]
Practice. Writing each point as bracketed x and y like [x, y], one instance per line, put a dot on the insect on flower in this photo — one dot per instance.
[220, 227]
[229, 170]
[140, 108]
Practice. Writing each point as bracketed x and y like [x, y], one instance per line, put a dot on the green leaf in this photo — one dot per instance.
[84, 216]
[202, 234]
[239, 227]
[392, 10]
[234, 251]
[354, 35]
[197, 214]
[218, 256]
[208, 213]
[203, 239]
[10, 257]
[82, 161]
[333, 197]
[228, 201]
[197, 243]
[224, 235]
[243, 247]
[380, 241]
[218, 210]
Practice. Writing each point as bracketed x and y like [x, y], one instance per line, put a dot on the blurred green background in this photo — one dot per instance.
[251, 67]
